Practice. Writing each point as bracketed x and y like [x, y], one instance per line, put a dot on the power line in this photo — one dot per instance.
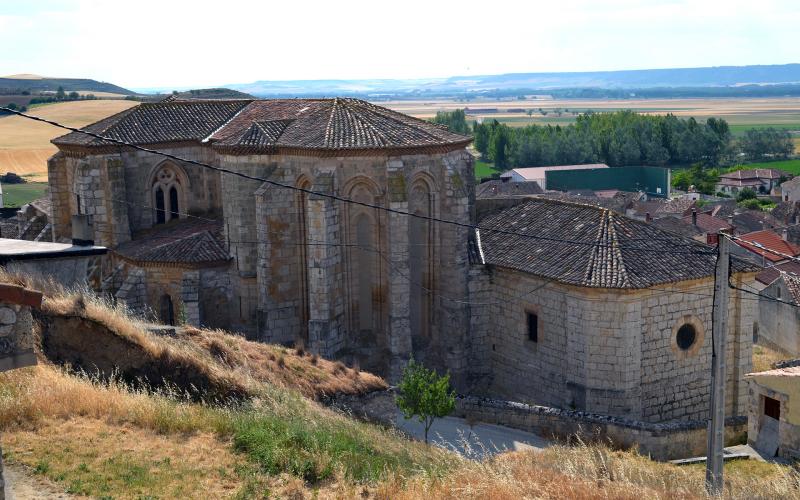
[341, 198]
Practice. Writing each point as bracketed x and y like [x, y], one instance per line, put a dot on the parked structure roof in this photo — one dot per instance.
[588, 246]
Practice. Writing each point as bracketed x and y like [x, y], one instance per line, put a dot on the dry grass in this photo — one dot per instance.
[25, 144]
[227, 360]
[765, 357]
[93, 457]
[295, 368]
[594, 471]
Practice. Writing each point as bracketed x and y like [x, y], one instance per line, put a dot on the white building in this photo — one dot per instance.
[537, 174]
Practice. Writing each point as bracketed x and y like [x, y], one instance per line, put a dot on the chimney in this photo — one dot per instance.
[785, 234]
[694, 216]
[81, 231]
[647, 217]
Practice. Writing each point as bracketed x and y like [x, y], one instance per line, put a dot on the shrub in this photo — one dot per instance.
[746, 194]
[750, 204]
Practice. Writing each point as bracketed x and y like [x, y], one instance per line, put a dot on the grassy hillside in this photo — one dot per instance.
[35, 84]
[125, 437]
[25, 144]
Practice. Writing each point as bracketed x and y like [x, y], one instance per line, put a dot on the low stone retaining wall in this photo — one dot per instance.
[377, 406]
[662, 441]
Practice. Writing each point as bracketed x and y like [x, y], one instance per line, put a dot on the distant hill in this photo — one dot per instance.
[729, 77]
[14, 84]
[217, 93]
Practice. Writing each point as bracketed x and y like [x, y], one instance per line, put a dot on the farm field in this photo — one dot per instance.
[791, 166]
[25, 144]
[741, 114]
[16, 195]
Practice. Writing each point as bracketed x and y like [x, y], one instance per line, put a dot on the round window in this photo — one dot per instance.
[686, 336]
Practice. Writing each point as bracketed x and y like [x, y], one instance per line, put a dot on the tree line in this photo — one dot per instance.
[619, 138]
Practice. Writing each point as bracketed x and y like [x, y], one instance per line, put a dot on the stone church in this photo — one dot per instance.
[590, 310]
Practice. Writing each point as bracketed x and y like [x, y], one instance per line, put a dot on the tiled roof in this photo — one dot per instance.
[153, 123]
[793, 285]
[757, 173]
[708, 223]
[770, 274]
[614, 251]
[189, 242]
[495, 188]
[770, 240]
[271, 126]
[746, 221]
[678, 226]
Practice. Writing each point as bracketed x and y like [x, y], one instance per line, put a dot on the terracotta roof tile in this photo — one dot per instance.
[267, 126]
[708, 223]
[189, 242]
[793, 284]
[770, 274]
[770, 240]
[618, 252]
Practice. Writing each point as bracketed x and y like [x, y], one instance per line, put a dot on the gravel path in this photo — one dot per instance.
[21, 484]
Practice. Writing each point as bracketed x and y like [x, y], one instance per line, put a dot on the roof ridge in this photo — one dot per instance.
[618, 259]
[364, 123]
[606, 250]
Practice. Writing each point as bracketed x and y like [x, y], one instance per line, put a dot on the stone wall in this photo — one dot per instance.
[68, 271]
[778, 324]
[606, 351]
[659, 441]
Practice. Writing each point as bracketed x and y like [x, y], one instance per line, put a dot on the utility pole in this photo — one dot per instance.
[719, 329]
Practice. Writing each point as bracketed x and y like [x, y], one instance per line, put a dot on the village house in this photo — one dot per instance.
[790, 190]
[760, 180]
[774, 412]
[779, 322]
[767, 246]
[591, 311]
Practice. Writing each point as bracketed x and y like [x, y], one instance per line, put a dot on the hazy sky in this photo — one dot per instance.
[144, 43]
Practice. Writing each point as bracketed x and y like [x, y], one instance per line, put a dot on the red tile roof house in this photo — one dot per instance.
[771, 247]
[760, 180]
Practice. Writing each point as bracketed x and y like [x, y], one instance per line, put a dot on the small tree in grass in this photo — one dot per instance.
[425, 395]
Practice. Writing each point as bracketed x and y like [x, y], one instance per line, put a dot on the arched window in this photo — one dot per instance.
[174, 207]
[168, 193]
[420, 262]
[365, 276]
[301, 198]
[161, 215]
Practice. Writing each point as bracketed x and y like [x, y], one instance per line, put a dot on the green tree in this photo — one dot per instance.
[60, 93]
[425, 395]
[455, 121]
[74, 95]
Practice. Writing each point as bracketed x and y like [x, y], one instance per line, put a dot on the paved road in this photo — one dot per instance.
[476, 441]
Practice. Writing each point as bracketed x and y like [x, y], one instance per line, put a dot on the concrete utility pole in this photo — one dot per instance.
[719, 329]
